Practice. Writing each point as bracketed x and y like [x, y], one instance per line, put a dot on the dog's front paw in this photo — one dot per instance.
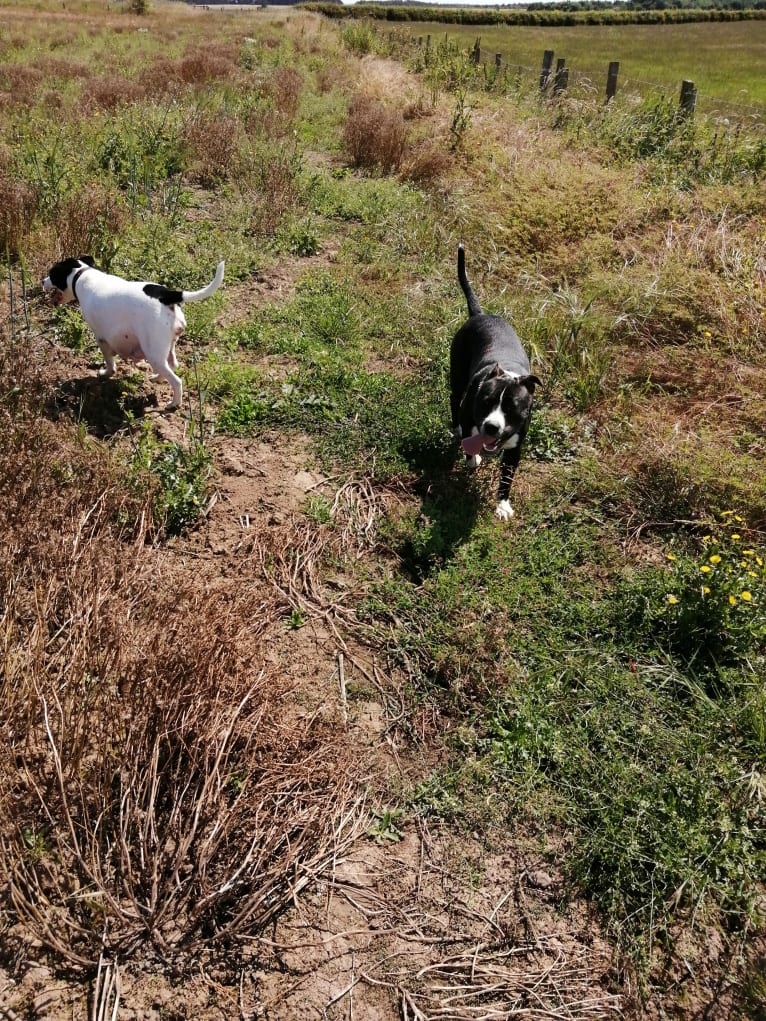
[105, 372]
[473, 461]
[504, 511]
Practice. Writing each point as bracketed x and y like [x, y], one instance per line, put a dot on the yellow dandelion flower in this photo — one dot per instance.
[752, 574]
[732, 600]
[726, 514]
[743, 563]
[738, 518]
[759, 561]
[670, 556]
[747, 596]
[736, 537]
[705, 569]
[706, 538]
[748, 552]
[705, 590]
[672, 600]
[715, 559]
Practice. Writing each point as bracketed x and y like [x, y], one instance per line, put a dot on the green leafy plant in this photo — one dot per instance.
[180, 473]
[72, 331]
[385, 828]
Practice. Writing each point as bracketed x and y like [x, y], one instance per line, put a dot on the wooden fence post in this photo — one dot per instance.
[611, 79]
[498, 60]
[477, 50]
[545, 73]
[561, 78]
[688, 100]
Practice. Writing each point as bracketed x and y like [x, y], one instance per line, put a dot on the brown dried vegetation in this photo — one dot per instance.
[375, 135]
[164, 795]
[213, 142]
[18, 204]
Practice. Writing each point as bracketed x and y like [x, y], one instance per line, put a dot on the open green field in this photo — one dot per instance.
[725, 60]
[293, 725]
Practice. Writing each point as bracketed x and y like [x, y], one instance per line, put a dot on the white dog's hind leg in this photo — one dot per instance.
[165, 372]
[108, 369]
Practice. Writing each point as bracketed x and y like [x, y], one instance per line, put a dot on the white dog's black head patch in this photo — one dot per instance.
[61, 276]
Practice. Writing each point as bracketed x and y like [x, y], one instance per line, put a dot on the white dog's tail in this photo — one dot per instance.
[169, 296]
[211, 288]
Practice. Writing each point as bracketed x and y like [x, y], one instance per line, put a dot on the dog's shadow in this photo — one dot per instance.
[451, 496]
[104, 406]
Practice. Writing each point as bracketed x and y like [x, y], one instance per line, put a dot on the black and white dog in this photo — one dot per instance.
[491, 389]
[130, 319]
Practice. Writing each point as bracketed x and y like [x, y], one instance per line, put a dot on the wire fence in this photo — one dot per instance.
[553, 78]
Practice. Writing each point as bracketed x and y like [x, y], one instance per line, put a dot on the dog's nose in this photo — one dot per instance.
[490, 428]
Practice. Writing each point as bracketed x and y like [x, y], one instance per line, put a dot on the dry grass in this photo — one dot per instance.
[274, 116]
[427, 165]
[214, 62]
[162, 795]
[375, 135]
[168, 801]
[269, 186]
[213, 143]
[113, 91]
[84, 219]
[18, 205]
[162, 77]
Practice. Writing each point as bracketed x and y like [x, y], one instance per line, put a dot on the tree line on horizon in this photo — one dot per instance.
[568, 12]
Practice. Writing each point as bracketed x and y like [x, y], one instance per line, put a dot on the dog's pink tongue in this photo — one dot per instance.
[473, 445]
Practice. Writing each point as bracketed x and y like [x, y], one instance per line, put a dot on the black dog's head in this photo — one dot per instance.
[501, 407]
[58, 283]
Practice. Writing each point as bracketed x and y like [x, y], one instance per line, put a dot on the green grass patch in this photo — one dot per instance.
[623, 704]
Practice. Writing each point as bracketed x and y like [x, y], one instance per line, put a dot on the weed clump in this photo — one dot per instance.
[707, 609]
[18, 205]
[375, 135]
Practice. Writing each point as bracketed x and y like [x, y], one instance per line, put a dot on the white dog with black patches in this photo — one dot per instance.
[130, 319]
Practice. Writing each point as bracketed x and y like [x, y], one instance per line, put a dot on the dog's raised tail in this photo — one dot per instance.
[474, 308]
[211, 288]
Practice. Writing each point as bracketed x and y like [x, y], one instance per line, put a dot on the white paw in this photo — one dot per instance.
[105, 373]
[173, 406]
[473, 461]
[504, 511]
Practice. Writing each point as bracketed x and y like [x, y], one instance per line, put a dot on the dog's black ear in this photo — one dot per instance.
[88, 260]
[530, 382]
